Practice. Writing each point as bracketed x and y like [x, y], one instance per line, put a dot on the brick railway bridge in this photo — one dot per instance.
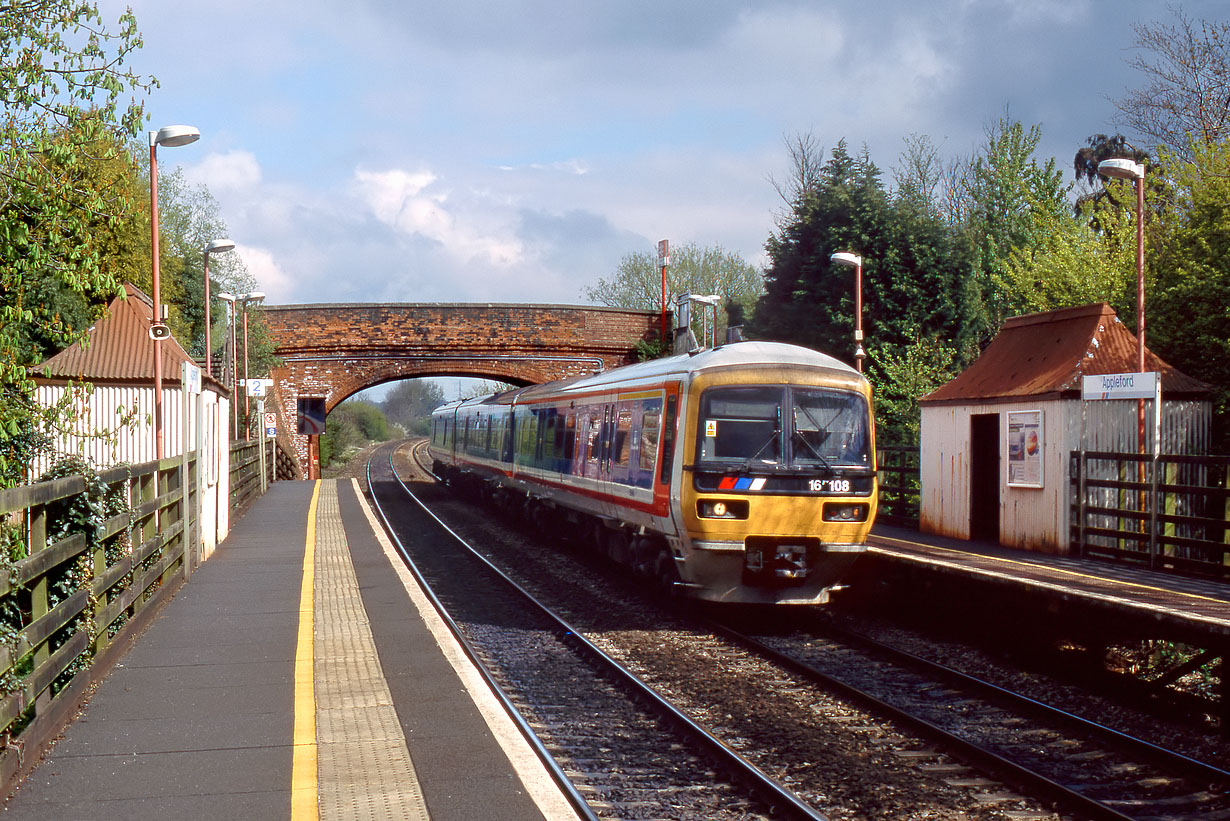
[333, 351]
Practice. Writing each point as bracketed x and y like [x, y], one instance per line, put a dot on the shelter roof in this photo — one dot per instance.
[118, 349]
[1044, 356]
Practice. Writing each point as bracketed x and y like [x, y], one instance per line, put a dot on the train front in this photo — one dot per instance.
[778, 490]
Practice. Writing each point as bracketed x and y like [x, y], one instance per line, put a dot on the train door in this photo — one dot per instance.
[984, 477]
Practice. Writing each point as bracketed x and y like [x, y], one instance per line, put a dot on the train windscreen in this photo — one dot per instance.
[821, 428]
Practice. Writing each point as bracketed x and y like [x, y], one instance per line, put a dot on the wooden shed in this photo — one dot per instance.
[113, 423]
[996, 439]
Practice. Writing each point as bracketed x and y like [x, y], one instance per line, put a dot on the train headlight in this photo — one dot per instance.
[846, 511]
[721, 509]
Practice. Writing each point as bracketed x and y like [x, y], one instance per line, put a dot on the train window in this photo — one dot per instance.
[829, 428]
[740, 424]
[570, 438]
[593, 445]
[668, 438]
[651, 422]
[623, 437]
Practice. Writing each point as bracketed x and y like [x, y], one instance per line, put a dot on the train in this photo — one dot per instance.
[743, 473]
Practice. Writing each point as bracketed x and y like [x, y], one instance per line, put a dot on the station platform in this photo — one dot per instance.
[1179, 607]
[300, 673]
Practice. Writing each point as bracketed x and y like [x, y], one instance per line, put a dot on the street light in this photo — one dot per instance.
[229, 364]
[215, 246]
[856, 262]
[244, 299]
[170, 136]
[1124, 169]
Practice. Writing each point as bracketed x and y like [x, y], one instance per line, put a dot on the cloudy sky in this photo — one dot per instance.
[479, 150]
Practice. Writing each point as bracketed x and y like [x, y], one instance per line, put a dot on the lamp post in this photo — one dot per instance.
[1124, 169]
[229, 364]
[244, 299]
[216, 246]
[856, 262]
[170, 136]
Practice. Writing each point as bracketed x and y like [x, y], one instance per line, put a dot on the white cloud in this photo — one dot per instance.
[401, 200]
[228, 173]
[269, 275]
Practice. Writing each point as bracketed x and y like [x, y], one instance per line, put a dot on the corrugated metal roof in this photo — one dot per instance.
[1046, 354]
[118, 348]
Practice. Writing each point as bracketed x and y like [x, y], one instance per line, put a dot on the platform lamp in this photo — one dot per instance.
[215, 246]
[856, 262]
[170, 136]
[228, 364]
[1125, 169]
[244, 299]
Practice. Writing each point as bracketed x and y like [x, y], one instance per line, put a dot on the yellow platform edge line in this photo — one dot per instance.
[304, 802]
[890, 541]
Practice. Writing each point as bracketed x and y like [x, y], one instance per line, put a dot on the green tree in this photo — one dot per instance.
[637, 282]
[67, 102]
[410, 404]
[1188, 302]
[912, 267]
[351, 426]
[1013, 200]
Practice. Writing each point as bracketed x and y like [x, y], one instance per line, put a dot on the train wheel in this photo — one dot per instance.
[664, 571]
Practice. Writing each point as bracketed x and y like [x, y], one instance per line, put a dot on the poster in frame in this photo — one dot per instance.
[1025, 447]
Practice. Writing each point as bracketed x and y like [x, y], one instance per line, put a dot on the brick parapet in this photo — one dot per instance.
[336, 350]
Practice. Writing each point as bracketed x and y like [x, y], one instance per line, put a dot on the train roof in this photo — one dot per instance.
[737, 354]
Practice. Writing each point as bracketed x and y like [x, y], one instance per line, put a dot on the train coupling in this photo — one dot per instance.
[786, 562]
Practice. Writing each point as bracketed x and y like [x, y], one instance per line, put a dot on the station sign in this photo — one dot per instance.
[1120, 386]
[256, 387]
[190, 376]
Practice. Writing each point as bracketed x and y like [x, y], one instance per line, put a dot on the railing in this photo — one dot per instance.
[1169, 514]
[86, 563]
[898, 472]
[245, 466]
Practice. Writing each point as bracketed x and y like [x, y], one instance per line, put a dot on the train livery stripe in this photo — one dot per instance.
[741, 483]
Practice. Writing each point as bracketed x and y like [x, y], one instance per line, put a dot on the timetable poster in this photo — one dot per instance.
[1025, 448]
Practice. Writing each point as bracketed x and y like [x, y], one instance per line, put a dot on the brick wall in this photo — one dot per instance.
[336, 350]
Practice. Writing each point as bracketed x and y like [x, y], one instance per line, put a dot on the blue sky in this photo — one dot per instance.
[477, 151]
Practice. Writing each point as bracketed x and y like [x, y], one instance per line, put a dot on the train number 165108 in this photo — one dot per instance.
[829, 485]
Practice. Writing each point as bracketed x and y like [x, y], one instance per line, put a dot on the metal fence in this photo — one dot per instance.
[1171, 513]
[897, 470]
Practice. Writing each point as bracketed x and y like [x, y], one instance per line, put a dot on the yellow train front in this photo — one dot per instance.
[777, 487]
[742, 474]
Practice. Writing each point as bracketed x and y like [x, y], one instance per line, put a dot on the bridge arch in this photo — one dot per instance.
[336, 350]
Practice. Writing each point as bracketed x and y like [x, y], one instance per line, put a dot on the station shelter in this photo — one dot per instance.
[996, 441]
[113, 422]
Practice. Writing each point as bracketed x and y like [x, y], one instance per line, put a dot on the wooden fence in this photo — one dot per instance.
[1171, 514]
[898, 473]
[87, 563]
[246, 466]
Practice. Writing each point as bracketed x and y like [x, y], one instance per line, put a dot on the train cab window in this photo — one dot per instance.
[740, 425]
[829, 428]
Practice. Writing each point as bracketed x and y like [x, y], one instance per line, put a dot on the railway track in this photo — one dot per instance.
[963, 745]
[615, 746]
[1095, 770]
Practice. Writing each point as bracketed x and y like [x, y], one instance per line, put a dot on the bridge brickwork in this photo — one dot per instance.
[336, 350]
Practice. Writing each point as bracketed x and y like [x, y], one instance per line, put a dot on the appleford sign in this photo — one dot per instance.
[1120, 386]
